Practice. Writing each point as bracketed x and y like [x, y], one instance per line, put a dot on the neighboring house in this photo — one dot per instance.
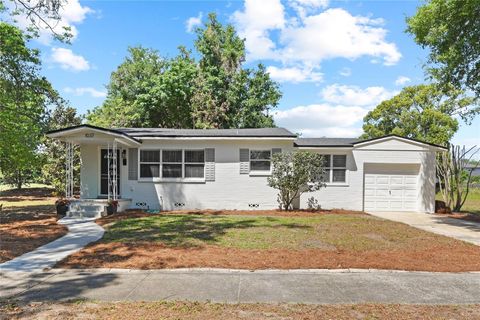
[166, 169]
[474, 169]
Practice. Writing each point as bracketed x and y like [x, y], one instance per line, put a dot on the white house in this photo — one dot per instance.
[166, 169]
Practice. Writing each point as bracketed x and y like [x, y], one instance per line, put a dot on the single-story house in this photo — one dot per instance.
[167, 169]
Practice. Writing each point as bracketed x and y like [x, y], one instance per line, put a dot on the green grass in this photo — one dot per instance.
[472, 204]
[329, 232]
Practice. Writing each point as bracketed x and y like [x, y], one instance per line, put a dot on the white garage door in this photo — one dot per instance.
[391, 187]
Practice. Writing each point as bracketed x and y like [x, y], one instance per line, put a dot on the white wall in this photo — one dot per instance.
[232, 190]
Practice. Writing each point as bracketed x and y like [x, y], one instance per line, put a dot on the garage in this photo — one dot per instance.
[391, 187]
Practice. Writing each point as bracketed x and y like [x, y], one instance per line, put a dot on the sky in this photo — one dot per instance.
[334, 60]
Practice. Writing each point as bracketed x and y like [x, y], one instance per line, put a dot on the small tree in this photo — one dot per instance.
[295, 173]
[454, 178]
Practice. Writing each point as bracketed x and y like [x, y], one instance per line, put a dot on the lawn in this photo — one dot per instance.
[27, 221]
[217, 311]
[318, 240]
[472, 204]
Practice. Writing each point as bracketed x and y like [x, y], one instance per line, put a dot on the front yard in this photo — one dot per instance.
[27, 221]
[271, 241]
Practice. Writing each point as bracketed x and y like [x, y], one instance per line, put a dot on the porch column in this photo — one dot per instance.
[69, 183]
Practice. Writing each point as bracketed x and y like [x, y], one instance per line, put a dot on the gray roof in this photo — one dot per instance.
[249, 133]
[325, 142]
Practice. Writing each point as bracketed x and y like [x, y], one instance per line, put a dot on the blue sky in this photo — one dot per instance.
[335, 60]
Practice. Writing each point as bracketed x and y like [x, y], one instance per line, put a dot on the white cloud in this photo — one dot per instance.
[69, 60]
[254, 24]
[346, 72]
[192, 22]
[355, 96]
[307, 37]
[322, 120]
[86, 90]
[71, 14]
[294, 74]
[402, 80]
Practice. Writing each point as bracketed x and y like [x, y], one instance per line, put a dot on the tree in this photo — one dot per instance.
[424, 112]
[54, 151]
[454, 178]
[148, 90]
[451, 30]
[24, 97]
[38, 15]
[295, 173]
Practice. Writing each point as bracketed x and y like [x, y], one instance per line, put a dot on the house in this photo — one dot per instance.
[167, 169]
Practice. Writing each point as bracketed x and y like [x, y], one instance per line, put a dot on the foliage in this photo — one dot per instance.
[295, 173]
[424, 112]
[38, 15]
[24, 97]
[451, 30]
[54, 151]
[148, 90]
[454, 178]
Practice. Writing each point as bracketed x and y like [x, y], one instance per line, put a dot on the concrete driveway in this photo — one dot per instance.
[455, 228]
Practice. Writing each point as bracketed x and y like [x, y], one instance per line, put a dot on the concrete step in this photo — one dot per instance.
[98, 208]
[83, 214]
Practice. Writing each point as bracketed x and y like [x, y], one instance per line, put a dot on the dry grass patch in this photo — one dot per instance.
[217, 311]
[25, 228]
[321, 240]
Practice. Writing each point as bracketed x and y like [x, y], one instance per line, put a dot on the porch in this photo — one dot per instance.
[103, 167]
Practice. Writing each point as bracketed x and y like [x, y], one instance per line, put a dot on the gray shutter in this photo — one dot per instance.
[210, 164]
[133, 164]
[244, 161]
[276, 150]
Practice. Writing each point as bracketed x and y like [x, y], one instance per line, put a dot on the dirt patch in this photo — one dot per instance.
[461, 216]
[147, 255]
[30, 194]
[23, 229]
[129, 214]
[217, 311]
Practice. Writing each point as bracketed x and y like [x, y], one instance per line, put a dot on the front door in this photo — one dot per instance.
[104, 171]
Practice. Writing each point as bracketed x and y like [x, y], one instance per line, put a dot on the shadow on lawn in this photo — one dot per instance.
[187, 231]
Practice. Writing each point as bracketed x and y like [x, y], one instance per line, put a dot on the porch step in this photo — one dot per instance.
[84, 214]
[87, 207]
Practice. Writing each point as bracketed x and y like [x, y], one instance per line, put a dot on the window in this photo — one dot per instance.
[260, 160]
[335, 168]
[172, 163]
[194, 163]
[149, 163]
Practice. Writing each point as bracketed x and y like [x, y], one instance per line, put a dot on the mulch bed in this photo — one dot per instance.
[147, 255]
[23, 229]
[129, 214]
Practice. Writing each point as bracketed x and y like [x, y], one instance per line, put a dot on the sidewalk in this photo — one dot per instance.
[242, 286]
[462, 230]
[80, 233]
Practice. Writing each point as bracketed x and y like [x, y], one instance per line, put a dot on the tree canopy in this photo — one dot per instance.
[451, 30]
[24, 98]
[424, 112]
[148, 90]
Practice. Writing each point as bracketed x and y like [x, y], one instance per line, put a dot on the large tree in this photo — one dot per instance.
[24, 97]
[451, 30]
[424, 112]
[148, 90]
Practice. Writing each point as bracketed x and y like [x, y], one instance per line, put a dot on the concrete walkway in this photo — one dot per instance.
[242, 286]
[455, 228]
[80, 233]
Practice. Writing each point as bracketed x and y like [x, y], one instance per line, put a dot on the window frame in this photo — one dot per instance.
[161, 178]
[330, 168]
[259, 172]
[140, 162]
